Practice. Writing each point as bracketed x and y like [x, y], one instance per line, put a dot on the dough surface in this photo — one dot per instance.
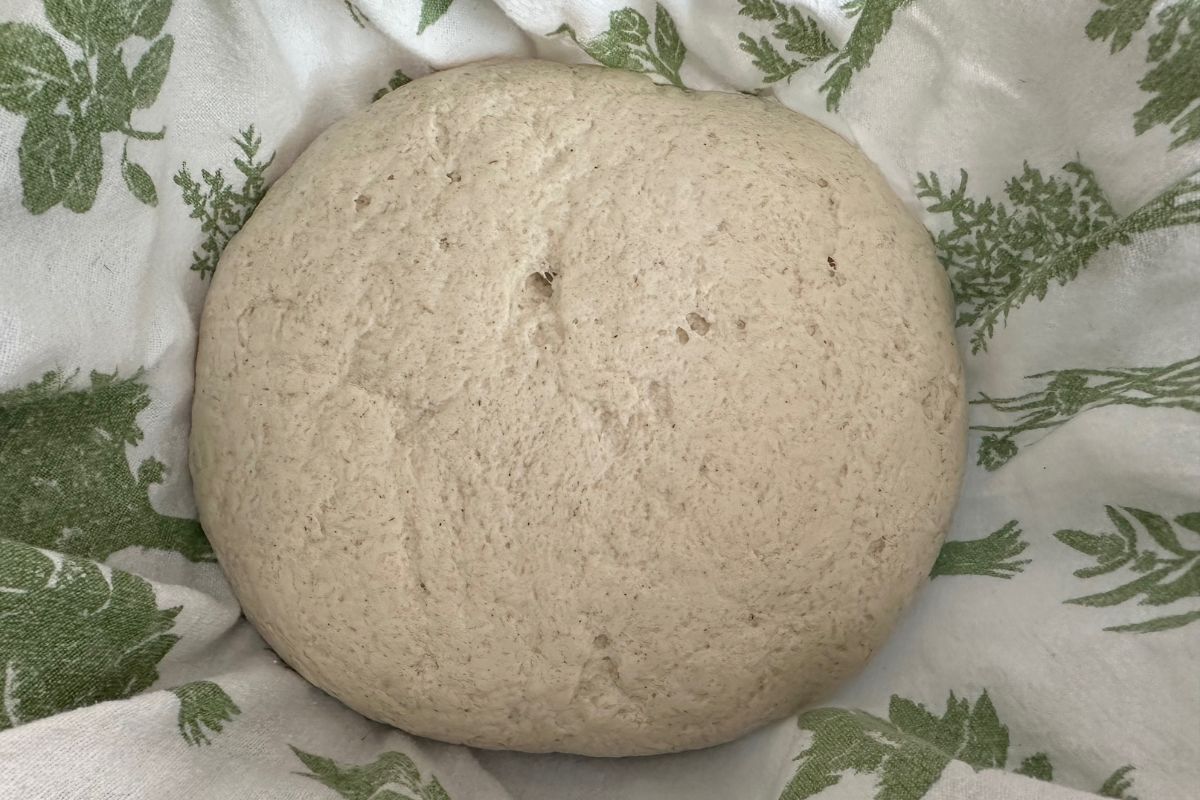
[539, 407]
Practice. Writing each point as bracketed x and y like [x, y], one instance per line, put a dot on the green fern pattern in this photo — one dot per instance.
[1165, 570]
[397, 80]
[1118, 784]
[1118, 20]
[800, 35]
[431, 12]
[630, 43]
[908, 751]
[993, 556]
[1066, 393]
[874, 20]
[204, 709]
[1173, 53]
[222, 209]
[356, 14]
[999, 255]
[391, 776]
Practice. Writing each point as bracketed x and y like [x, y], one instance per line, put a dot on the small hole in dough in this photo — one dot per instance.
[540, 285]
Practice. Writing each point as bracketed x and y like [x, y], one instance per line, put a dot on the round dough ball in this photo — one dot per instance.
[540, 407]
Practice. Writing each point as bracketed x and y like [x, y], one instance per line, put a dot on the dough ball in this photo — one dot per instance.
[540, 407]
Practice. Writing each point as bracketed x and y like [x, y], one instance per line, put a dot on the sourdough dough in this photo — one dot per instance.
[540, 407]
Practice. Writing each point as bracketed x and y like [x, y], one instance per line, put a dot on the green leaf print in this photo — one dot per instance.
[1120, 19]
[72, 635]
[1066, 393]
[150, 72]
[51, 156]
[1174, 52]
[431, 12]
[147, 17]
[999, 255]
[34, 73]
[66, 476]
[397, 80]
[138, 181]
[356, 13]
[221, 209]
[91, 24]
[1117, 784]
[994, 556]
[1162, 567]
[800, 35]
[391, 776]
[908, 750]
[113, 102]
[844, 741]
[630, 44]
[874, 21]
[667, 43]
[96, 24]
[70, 102]
[80, 191]
[203, 704]
[1037, 766]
